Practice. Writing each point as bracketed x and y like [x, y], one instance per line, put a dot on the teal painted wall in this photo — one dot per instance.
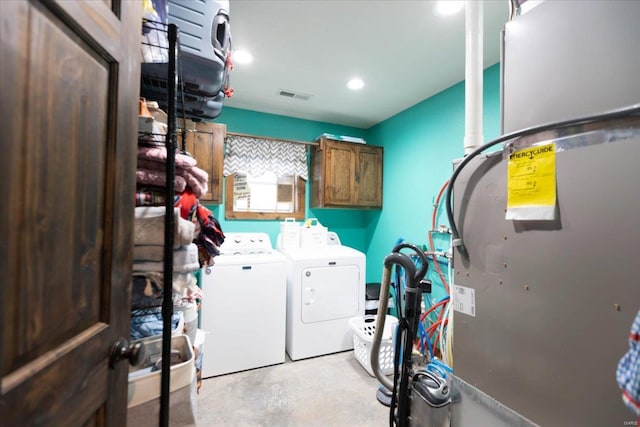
[419, 146]
[419, 143]
[349, 224]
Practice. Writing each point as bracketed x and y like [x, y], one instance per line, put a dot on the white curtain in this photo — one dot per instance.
[256, 156]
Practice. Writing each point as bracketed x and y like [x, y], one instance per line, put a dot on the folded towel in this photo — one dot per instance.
[159, 178]
[159, 155]
[148, 253]
[151, 165]
[148, 227]
[149, 212]
[197, 180]
[185, 259]
[158, 266]
[149, 284]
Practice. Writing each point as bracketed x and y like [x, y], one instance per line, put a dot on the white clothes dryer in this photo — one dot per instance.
[243, 307]
[325, 288]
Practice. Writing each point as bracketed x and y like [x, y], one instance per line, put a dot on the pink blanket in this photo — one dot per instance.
[196, 178]
[159, 155]
[159, 178]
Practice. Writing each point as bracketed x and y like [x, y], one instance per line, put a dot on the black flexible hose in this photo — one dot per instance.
[419, 275]
[614, 114]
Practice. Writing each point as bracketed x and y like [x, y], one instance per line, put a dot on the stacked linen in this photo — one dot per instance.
[197, 232]
[185, 259]
[152, 157]
[147, 290]
[190, 183]
[152, 167]
[148, 227]
[148, 251]
[148, 266]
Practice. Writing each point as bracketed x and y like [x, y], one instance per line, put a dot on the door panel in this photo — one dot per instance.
[68, 94]
[206, 145]
[369, 177]
[329, 293]
[59, 178]
[339, 176]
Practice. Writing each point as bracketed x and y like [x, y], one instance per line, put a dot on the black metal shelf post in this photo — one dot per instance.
[169, 226]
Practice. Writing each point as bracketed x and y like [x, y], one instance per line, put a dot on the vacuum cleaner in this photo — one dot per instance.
[416, 396]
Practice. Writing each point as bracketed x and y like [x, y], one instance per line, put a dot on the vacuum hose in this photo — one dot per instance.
[377, 336]
[410, 271]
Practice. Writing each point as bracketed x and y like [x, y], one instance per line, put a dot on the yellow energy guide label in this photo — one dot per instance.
[531, 183]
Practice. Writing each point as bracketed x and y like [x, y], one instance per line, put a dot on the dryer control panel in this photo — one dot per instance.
[246, 244]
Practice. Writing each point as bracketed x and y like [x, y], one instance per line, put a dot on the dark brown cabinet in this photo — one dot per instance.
[347, 175]
[205, 142]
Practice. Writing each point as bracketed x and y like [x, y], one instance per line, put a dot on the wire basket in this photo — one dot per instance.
[364, 327]
[154, 42]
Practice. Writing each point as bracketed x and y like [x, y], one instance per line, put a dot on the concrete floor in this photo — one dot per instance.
[325, 391]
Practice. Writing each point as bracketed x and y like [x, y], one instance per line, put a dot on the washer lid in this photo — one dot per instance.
[328, 252]
[249, 259]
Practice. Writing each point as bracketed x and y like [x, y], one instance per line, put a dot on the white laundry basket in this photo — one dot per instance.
[364, 327]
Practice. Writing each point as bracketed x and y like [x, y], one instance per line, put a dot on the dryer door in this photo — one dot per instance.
[329, 293]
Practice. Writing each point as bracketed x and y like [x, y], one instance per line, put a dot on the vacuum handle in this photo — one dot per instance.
[424, 264]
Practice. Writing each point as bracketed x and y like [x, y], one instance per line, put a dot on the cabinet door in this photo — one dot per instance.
[368, 186]
[69, 89]
[206, 145]
[339, 174]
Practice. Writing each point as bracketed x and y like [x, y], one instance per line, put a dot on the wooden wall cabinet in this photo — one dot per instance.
[346, 175]
[205, 142]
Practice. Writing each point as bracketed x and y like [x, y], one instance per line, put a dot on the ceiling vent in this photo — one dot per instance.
[294, 95]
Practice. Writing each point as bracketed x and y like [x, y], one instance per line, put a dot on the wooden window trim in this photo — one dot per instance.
[229, 213]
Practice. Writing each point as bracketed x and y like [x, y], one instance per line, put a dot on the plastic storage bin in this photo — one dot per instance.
[144, 385]
[364, 327]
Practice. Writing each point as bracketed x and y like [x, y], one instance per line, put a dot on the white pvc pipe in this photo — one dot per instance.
[473, 136]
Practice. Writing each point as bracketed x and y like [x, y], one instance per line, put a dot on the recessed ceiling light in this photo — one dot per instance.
[355, 84]
[242, 57]
[448, 7]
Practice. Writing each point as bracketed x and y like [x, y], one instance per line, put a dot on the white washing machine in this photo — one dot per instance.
[325, 288]
[244, 306]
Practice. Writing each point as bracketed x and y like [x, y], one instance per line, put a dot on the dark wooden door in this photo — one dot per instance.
[69, 79]
[205, 142]
[369, 177]
[339, 179]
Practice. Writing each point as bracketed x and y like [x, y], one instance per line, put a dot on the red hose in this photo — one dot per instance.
[430, 236]
[432, 308]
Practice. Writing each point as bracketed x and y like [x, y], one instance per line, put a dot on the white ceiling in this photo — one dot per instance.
[402, 50]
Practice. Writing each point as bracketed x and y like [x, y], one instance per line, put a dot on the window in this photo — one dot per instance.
[265, 178]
